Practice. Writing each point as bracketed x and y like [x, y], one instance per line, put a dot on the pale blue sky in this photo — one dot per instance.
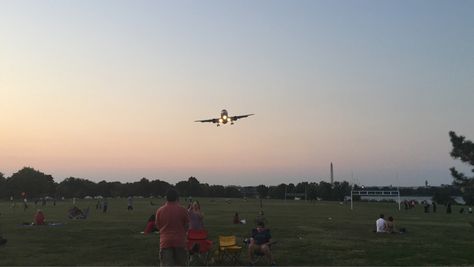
[110, 89]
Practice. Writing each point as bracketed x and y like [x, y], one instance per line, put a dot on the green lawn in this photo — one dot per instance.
[308, 233]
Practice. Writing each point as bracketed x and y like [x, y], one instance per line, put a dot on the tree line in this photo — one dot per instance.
[36, 184]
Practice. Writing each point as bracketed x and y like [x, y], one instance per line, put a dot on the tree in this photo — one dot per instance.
[31, 181]
[324, 190]
[3, 186]
[463, 150]
[340, 190]
[302, 187]
[262, 191]
[442, 196]
[143, 188]
[191, 187]
[312, 190]
[182, 188]
[277, 192]
[103, 189]
[232, 191]
[76, 187]
[216, 191]
[159, 188]
[194, 187]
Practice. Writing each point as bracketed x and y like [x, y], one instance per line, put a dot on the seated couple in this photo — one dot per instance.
[386, 226]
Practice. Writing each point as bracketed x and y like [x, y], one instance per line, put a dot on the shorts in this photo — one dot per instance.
[173, 257]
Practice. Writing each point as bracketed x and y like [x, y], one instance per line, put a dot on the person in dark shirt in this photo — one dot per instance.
[260, 242]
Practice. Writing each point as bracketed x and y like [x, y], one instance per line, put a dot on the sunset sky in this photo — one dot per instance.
[110, 89]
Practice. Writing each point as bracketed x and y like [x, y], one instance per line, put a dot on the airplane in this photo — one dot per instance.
[225, 118]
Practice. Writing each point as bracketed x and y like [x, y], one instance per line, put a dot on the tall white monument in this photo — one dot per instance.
[332, 175]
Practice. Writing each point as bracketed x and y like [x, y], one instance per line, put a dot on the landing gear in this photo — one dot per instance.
[218, 125]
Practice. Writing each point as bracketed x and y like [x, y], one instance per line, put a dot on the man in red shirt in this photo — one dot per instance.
[172, 220]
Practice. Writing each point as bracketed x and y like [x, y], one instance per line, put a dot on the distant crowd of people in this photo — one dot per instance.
[427, 207]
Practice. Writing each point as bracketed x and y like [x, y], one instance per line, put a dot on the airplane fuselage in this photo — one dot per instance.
[225, 117]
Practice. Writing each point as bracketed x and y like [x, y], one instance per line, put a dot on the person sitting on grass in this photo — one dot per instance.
[390, 225]
[381, 225]
[150, 226]
[260, 242]
[236, 219]
[77, 213]
[39, 218]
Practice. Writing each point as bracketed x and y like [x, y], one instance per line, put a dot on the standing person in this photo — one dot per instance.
[104, 205]
[381, 225]
[434, 207]
[172, 221]
[25, 204]
[12, 202]
[130, 203]
[195, 216]
[448, 207]
[427, 207]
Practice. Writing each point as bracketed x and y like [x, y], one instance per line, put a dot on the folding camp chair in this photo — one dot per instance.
[229, 251]
[198, 247]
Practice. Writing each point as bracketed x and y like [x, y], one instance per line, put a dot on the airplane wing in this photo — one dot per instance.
[210, 120]
[234, 118]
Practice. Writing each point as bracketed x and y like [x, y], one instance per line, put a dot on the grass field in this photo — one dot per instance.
[308, 233]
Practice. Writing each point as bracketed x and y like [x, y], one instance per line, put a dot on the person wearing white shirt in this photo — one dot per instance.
[381, 225]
